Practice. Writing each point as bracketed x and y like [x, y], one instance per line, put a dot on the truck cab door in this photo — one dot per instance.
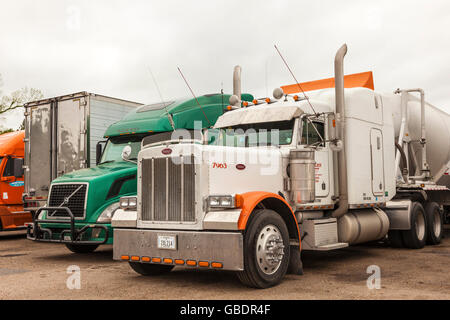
[376, 151]
[11, 187]
[311, 136]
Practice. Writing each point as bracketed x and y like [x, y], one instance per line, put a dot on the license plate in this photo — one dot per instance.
[167, 242]
[67, 238]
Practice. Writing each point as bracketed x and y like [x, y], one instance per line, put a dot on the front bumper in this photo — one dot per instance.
[140, 245]
[72, 235]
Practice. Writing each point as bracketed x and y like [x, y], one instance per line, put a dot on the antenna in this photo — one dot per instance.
[300, 87]
[221, 93]
[169, 116]
[209, 122]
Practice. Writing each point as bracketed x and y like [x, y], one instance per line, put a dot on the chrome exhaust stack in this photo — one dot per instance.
[235, 99]
[340, 115]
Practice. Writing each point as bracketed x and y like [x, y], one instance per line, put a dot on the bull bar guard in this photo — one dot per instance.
[37, 233]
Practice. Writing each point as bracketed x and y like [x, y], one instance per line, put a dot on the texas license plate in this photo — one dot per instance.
[167, 242]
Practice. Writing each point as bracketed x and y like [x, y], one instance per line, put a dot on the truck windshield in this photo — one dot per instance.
[115, 145]
[252, 135]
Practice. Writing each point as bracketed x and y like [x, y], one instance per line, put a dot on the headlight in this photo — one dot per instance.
[225, 201]
[128, 203]
[108, 213]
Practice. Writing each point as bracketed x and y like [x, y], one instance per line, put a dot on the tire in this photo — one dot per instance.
[265, 228]
[435, 221]
[395, 238]
[79, 248]
[416, 237]
[147, 269]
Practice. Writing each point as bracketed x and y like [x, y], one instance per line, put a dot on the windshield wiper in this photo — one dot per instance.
[107, 161]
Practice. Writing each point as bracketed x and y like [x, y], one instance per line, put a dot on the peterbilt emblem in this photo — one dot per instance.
[166, 151]
[240, 166]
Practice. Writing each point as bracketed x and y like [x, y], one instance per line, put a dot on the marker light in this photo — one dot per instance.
[191, 263]
[245, 104]
[238, 201]
[255, 101]
[267, 100]
[296, 98]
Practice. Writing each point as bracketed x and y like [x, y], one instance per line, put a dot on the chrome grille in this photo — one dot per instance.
[59, 192]
[168, 189]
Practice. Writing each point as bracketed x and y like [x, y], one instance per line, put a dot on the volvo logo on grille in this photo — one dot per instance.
[166, 151]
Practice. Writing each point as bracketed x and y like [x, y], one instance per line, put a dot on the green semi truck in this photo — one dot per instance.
[81, 203]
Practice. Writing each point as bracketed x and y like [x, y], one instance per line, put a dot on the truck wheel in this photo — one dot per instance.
[78, 248]
[266, 250]
[435, 221]
[416, 237]
[146, 269]
[395, 238]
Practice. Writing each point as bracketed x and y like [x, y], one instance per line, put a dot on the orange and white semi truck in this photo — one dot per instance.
[12, 215]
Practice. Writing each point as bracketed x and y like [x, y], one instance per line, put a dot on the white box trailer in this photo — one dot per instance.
[61, 135]
[342, 167]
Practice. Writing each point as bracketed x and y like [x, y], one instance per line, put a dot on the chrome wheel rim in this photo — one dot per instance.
[269, 249]
[420, 226]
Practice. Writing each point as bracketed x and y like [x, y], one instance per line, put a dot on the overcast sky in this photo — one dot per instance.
[107, 47]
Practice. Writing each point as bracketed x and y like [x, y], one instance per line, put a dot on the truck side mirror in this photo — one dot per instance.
[18, 168]
[126, 152]
[99, 152]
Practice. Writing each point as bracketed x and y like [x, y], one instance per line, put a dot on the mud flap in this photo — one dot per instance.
[295, 261]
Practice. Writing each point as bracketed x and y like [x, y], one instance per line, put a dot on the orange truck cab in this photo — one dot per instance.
[12, 215]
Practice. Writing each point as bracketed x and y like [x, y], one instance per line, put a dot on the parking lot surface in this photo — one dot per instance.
[31, 270]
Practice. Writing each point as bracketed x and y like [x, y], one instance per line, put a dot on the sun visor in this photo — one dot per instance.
[258, 114]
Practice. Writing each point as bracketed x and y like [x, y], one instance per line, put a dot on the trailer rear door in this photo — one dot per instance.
[38, 149]
[71, 138]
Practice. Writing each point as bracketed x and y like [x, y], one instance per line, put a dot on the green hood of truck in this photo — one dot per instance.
[111, 169]
[107, 183]
[153, 118]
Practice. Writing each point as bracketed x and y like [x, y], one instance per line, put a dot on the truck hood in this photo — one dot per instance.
[226, 170]
[101, 171]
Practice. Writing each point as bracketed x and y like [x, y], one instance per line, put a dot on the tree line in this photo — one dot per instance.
[16, 100]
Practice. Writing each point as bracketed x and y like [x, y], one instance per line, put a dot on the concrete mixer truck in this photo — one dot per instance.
[339, 166]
